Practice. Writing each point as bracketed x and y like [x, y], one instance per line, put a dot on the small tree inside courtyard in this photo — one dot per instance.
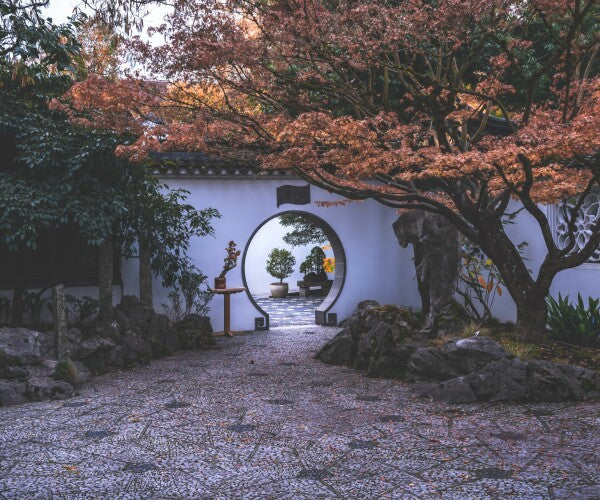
[280, 263]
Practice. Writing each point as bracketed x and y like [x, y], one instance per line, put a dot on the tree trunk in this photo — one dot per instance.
[145, 273]
[529, 295]
[532, 316]
[105, 279]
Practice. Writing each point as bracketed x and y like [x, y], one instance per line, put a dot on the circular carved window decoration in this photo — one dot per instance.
[587, 216]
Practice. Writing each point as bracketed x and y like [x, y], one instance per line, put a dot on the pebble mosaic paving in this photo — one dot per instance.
[290, 311]
[259, 417]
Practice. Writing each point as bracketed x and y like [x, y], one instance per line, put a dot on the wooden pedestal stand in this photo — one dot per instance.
[226, 292]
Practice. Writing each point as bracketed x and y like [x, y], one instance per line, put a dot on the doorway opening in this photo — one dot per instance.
[293, 268]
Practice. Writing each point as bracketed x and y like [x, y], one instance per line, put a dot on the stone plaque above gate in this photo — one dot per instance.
[295, 195]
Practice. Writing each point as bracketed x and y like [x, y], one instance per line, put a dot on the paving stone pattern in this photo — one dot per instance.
[258, 417]
[290, 311]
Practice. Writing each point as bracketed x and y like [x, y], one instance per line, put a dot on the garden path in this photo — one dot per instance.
[290, 311]
[258, 417]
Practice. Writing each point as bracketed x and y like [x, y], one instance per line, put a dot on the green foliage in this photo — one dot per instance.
[479, 281]
[29, 41]
[280, 263]
[314, 263]
[81, 309]
[34, 304]
[56, 173]
[167, 224]
[188, 298]
[53, 172]
[304, 230]
[574, 323]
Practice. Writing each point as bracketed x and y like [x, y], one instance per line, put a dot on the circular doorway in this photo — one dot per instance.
[312, 292]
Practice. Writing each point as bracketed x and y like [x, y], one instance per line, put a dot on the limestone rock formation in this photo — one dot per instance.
[30, 369]
[20, 346]
[384, 341]
[375, 339]
[435, 245]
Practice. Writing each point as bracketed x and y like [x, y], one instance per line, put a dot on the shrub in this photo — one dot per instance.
[280, 263]
[188, 297]
[574, 323]
[81, 309]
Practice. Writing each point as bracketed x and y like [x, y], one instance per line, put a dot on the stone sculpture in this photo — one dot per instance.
[435, 244]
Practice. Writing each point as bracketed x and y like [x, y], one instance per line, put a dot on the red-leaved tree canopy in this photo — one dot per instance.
[453, 106]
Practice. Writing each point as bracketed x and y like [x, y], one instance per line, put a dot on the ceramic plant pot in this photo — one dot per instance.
[279, 290]
[220, 283]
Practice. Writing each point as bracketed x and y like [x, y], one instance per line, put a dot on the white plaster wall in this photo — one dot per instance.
[268, 237]
[377, 268]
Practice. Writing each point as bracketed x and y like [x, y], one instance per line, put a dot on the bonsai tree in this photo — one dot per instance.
[231, 260]
[312, 266]
[280, 263]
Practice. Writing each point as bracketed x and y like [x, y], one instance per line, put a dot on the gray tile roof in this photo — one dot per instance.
[196, 164]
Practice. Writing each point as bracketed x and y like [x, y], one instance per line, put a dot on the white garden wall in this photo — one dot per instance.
[377, 268]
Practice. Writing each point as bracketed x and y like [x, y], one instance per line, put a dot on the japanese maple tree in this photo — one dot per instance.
[471, 109]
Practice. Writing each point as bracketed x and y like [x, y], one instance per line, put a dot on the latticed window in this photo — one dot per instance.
[587, 216]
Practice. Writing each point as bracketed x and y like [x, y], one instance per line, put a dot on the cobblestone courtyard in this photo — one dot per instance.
[290, 310]
[258, 417]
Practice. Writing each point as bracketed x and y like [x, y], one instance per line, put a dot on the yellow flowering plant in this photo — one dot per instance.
[329, 264]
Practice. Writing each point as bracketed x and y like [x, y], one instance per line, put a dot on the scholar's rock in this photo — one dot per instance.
[20, 346]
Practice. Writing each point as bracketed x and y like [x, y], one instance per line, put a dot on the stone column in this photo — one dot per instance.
[59, 315]
[105, 278]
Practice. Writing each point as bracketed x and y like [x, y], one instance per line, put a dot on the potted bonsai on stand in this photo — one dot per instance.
[280, 264]
[229, 263]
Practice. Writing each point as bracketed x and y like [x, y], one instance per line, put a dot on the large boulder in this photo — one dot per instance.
[132, 316]
[81, 372]
[375, 339]
[162, 336]
[47, 368]
[20, 346]
[12, 393]
[385, 341]
[73, 372]
[14, 372]
[430, 363]
[456, 390]
[131, 351]
[195, 332]
[458, 357]
[95, 353]
[341, 350]
[512, 379]
[42, 389]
